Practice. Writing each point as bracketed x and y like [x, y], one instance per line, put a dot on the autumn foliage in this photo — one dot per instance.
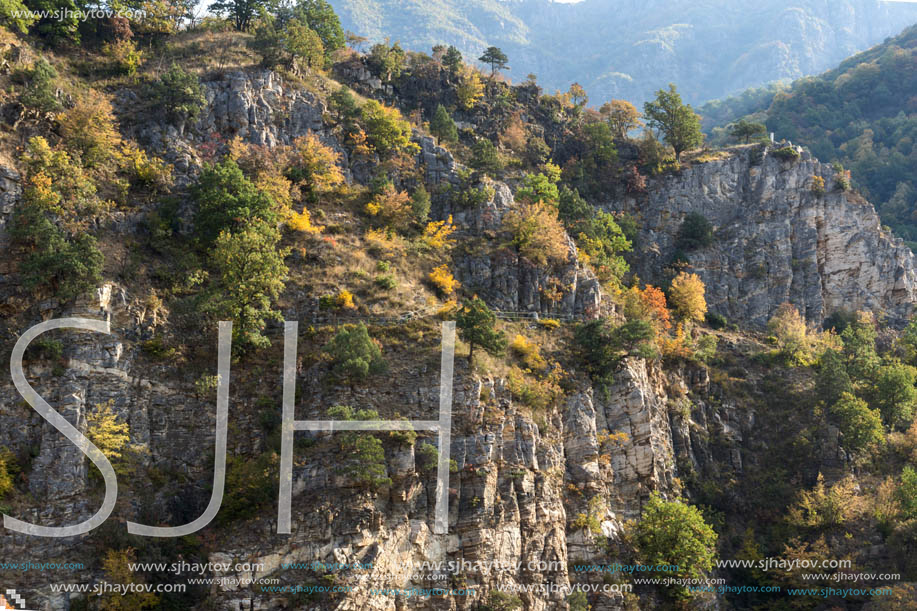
[687, 297]
[537, 233]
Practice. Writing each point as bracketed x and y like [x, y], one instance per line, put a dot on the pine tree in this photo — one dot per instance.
[452, 60]
[354, 353]
[495, 58]
[476, 323]
[442, 126]
[746, 130]
[40, 92]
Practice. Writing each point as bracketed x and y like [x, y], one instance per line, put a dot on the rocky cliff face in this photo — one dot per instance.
[522, 479]
[777, 239]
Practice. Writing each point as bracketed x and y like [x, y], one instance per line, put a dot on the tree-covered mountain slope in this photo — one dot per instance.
[666, 356]
[862, 115]
[628, 49]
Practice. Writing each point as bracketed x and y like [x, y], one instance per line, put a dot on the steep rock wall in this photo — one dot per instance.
[776, 239]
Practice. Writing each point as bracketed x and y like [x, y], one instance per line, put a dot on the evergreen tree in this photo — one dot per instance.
[442, 126]
[476, 323]
[179, 93]
[679, 124]
[495, 58]
[484, 157]
[746, 130]
[40, 93]
[452, 60]
[354, 354]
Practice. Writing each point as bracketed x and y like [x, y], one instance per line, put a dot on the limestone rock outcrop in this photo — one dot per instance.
[777, 239]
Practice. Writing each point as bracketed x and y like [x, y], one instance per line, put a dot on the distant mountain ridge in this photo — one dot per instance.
[628, 48]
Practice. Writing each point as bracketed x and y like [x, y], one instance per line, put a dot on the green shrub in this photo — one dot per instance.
[405, 438]
[427, 456]
[386, 282]
[420, 204]
[484, 157]
[41, 92]
[591, 519]
[47, 348]
[253, 484]
[178, 93]
[603, 243]
[364, 457]
[68, 267]
[907, 493]
[695, 232]
[157, 349]
[354, 354]
[860, 426]
[386, 130]
[467, 195]
[501, 601]
[578, 601]
[8, 468]
[716, 321]
[786, 153]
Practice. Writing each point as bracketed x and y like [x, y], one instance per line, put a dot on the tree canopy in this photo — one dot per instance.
[476, 325]
[675, 533]
[678, 123]
[495, 58]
